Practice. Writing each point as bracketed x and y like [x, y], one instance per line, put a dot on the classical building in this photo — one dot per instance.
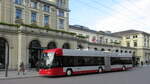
[99, 40]
[93, 36]
[29, 26]
[139, 40]
[47, 13]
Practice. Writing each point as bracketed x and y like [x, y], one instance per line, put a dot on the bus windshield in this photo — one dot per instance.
[47, 60]
[50, 61]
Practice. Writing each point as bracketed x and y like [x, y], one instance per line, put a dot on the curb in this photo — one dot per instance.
[22, 77]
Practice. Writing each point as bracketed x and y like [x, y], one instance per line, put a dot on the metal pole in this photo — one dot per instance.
[7, 60]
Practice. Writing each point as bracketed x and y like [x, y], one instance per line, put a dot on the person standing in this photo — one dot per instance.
[142, 63]
[21, 68]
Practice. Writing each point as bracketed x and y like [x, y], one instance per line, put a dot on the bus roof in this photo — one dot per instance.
[71, 52]
[75, 52]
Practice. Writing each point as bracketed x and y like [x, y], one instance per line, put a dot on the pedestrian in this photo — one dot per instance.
[37, 65]
[146, 62]
[141, 63]
[21, 68]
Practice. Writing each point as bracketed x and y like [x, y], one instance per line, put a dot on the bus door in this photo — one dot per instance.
[107, 63]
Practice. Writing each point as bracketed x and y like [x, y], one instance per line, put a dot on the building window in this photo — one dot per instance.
[66, 46]
[126, 51]
[61, 13]
[144, 44]
[34, 4]
[87, 36]
[117, 50]
[135, 44]
[106, 40]
[111, 40]
[128, 44]
[46, 8]
[33, 17]
[144, 39]
[121, 51]
[46, 20]
[148, 43]
[18, 13]
[101, 39]
[135, 36]
[109, 49]
[102, 49]
[18, 2]
[61, 23]
[94, 39]
[59, 2]
[128, 37]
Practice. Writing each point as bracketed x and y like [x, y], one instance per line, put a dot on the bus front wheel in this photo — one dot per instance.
[69, 72]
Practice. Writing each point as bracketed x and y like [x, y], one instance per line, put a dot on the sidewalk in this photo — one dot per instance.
[14, 74]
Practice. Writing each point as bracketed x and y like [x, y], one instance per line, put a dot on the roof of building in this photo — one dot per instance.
[127, 32]
[83, 28]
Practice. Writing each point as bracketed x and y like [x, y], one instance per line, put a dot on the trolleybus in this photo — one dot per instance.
[69, 62]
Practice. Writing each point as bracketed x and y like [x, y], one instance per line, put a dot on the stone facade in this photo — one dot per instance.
[16, 41]
[139, 40]
[96, 36]
[50, 13]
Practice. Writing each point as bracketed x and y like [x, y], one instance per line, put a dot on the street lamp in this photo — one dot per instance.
[7, 60]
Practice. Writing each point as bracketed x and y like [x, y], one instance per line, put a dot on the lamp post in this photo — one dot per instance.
[7, 60]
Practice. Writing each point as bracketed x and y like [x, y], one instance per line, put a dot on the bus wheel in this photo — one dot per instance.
[69, 72]
[123, 68]
[100, 70]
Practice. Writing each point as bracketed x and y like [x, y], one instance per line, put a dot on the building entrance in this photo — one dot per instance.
[3, 53]
[34, 53]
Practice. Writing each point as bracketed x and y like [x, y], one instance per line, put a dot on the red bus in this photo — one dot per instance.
[69, 62]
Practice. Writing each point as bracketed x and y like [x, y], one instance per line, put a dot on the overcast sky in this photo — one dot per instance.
[111, 15]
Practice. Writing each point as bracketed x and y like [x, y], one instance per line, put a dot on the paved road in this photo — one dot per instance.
[139, 75]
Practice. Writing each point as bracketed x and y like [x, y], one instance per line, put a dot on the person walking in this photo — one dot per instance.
[21, 68]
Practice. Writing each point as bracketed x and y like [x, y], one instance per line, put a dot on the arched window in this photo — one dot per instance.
[35, 44]
[34, 53]
[80, 46]
[117, 50]
[109, 49]
[51, 45]
[95, 49]
[130, 51]
[66, 46]
[102, 49]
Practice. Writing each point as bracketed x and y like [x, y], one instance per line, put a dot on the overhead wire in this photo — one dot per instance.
[129, 10]
[106, 7]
